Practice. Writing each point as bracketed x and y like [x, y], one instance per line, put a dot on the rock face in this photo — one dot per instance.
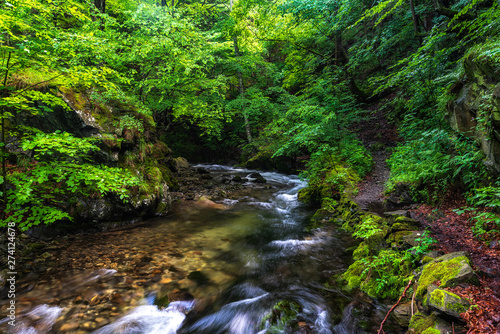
[125, 140]
[478, 103]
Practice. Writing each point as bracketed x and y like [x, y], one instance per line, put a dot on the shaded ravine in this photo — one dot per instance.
[216, 269]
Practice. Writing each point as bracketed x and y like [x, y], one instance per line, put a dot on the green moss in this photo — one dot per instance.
[454, 303]
[169, 178]
[419, 323]
[431, 331]
[362, 251]
[439, 271]
[283, 314]
[353, 275]
[427, 259]
[437, 298]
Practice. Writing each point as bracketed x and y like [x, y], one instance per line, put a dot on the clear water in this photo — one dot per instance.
[245, 257]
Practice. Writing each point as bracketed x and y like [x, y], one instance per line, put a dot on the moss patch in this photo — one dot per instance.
[419, 323]
[362, 251]
[431, 331]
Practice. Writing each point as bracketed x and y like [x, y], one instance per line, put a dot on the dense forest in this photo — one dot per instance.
[99, 99]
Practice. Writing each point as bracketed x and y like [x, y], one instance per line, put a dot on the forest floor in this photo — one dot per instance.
[452, 232]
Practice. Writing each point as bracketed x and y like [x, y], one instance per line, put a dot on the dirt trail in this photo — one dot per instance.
[371, 189]
[378, 135]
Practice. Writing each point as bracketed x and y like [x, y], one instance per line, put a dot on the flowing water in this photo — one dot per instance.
[216, 268]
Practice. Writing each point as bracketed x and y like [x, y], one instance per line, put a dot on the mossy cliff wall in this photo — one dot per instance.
[126, 139]
[475, 108]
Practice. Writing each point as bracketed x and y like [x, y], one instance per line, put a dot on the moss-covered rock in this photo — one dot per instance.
[414, 238]
[428, 324]
[450, 270]
[353, 276]
[445, 302]
[478, 101]
[405, 224]
[420, 322]
[180, 163]
[361, 252]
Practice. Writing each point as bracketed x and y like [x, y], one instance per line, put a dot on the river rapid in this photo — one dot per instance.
[204, 269]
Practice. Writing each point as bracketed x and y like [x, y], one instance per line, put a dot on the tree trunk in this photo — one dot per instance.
[240, 82]
[3, 93]
[414, 17]
[101, 5]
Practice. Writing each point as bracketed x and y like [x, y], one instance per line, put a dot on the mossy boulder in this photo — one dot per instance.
[421, 323]
[353, 276]
[361, 252]
[428, 324]
[414, 238]
[445, 302]
[396, 239]
[180, 163]
[450, 270]
[402, 223]
[476, 95]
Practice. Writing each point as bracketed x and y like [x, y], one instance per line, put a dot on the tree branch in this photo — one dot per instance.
[393, 307]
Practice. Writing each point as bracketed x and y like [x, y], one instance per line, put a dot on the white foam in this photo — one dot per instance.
[45, 315]
[149, 319]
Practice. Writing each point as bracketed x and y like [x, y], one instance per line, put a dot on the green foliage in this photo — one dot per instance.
[57, 176]
[435, 162]
[368, 228]
[424, 244]
[486, 212]
[382, 276]
[130, 122]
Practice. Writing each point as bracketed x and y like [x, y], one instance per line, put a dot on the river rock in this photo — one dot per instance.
[198, 277]
[445, 302]
[202, 171]
[402, 223]
[257, 178]
[69, 327]
[180, 163]
[239, 179]
[402, 313]
[413, 239]
[204, 202]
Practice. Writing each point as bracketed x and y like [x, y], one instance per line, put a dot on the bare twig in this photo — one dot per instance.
[413, 301]
[380, 330]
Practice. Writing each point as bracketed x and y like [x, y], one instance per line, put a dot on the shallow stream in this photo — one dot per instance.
[205, 269]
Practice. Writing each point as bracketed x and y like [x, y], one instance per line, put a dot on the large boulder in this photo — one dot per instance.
[450, 270]
[180, 163]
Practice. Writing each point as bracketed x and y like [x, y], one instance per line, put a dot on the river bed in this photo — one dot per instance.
[204, 269]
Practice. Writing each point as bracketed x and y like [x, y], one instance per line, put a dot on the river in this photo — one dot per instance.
[204, 269]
